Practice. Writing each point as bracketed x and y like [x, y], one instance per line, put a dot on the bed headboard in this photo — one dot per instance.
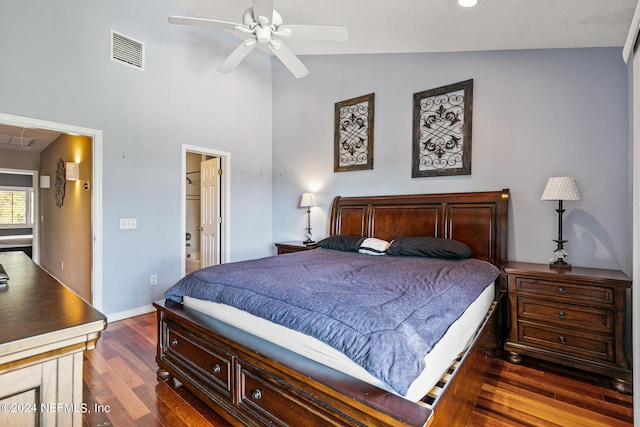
[477, 219]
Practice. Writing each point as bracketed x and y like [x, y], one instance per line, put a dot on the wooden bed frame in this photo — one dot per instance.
[251, 382]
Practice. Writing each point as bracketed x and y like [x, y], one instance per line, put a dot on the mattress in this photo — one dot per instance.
[437, 361]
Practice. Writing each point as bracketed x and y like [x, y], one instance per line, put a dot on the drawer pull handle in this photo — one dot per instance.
[562, 339]
[257, 395]
[562, 290]
[562, 314]
[216, 369]
[175, 341]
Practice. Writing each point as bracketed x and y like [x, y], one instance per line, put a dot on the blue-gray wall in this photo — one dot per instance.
[56, 67]
[536, 114]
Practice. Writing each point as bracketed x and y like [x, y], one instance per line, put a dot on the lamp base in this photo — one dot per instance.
[561, 264]
[309, 242]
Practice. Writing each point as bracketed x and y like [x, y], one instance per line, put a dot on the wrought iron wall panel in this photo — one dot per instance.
[442, 131]
[353, 148]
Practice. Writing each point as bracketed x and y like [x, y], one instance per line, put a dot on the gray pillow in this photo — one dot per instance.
[434, 247]
[342, 242]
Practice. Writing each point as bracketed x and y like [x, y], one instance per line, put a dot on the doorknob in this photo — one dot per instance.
[200, 228]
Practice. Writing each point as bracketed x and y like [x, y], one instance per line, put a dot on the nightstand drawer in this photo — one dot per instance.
[567, 342]
[567, 315]
[566, 291]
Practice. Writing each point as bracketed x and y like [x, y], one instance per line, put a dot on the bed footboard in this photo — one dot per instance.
[251, 382]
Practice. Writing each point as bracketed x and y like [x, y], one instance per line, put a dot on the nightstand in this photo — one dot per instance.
[288, 247]
[571, 317]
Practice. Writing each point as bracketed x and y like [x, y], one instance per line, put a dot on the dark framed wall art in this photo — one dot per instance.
[442, 131]
[353, 136]
[61, 182]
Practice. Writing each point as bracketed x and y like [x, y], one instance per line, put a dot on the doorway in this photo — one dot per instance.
[205, 208]
[96, 189]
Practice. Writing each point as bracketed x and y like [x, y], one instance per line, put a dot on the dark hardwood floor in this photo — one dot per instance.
[544, 394]
[121, 389]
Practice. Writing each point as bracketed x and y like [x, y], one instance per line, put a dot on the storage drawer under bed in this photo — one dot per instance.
[210, 363]
[276, 403]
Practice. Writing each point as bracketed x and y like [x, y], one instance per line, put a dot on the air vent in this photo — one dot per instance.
[16, 141]
[127, 50]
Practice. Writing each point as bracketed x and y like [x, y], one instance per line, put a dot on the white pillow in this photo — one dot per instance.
[373, 246]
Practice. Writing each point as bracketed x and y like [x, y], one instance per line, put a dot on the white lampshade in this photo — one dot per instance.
[561, 188]
[307, 200]
[73, 171]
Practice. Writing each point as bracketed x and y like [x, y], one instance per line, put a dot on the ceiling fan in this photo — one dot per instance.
[264, 25]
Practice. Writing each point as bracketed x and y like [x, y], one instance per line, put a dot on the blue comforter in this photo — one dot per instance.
[384, 312]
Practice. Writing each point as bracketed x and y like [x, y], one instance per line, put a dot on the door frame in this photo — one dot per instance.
[225, 205]
[96, 189]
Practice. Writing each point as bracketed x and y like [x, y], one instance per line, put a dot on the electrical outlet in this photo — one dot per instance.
[128, 223]
[153, 279]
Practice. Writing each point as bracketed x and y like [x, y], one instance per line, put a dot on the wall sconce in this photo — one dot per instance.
[45, 181]
[560, 188]
[73, 171]
[308, 200]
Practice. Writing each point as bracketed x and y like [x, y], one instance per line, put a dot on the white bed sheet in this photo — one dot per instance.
[454, 342]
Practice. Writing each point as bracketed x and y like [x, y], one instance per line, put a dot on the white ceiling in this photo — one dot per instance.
[396, 26]
[392, 26]
[26, 139]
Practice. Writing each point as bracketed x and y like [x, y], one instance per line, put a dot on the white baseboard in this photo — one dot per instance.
[114, 317]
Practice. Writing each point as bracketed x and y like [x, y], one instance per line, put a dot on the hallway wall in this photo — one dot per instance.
[65, 232]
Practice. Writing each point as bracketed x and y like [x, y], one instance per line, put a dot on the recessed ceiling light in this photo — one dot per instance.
[467, 3]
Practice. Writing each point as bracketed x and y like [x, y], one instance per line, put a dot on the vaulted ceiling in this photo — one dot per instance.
[400, 26]
[391, 26]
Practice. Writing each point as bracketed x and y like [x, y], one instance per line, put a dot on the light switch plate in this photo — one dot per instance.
[128, 223]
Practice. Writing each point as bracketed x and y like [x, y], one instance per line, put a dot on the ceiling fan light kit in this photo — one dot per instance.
[467, 3]
[264, 23]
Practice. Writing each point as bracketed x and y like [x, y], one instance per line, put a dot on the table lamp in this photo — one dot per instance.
[308, 200]
[560, 188]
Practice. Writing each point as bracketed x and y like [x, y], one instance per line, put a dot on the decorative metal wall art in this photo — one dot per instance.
[442, 131]
[354, 134]
[61, 181]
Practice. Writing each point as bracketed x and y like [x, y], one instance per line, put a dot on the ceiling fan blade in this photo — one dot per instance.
[236, 56]
[201, 22]
[334, 33]
[290, 61]
[263, 8]
[198, 7]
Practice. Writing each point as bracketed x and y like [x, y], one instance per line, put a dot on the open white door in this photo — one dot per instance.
[210, 218]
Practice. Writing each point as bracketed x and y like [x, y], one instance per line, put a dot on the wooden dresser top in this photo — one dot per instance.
[35, 306]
